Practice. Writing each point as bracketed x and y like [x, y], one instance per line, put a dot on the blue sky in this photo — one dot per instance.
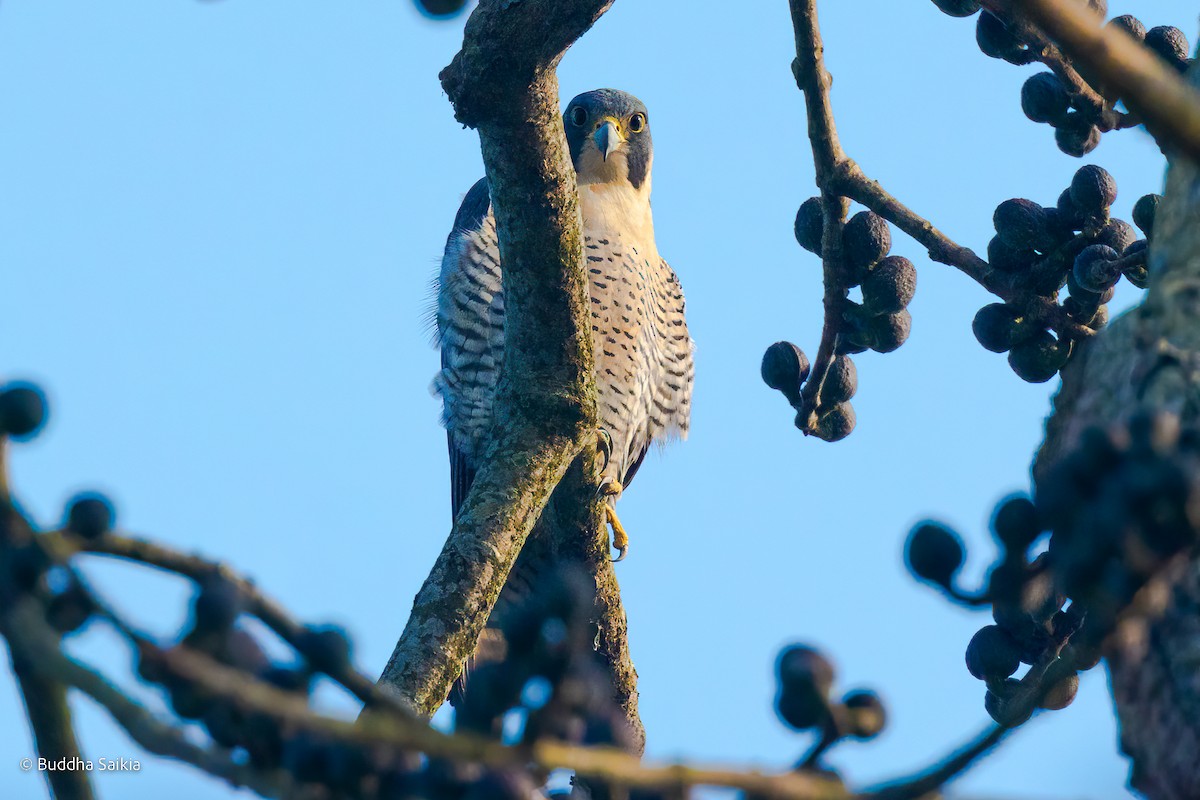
[218, 227]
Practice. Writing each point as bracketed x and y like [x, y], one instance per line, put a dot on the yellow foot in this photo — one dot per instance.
[620, 540]
[612, 488]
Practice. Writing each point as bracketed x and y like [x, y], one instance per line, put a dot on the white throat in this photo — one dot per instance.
[617, 210]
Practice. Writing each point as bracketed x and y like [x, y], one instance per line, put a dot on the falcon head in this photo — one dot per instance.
[608, 132]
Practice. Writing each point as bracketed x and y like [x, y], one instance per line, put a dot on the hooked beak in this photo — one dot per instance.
[607, 138]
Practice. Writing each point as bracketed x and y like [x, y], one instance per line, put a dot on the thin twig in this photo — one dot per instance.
[851, 181]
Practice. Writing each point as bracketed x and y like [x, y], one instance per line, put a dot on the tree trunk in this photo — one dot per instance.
[1149, 358]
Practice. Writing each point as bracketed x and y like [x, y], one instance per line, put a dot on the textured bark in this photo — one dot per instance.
[1149, 359]
[503, 83]
[573, 530]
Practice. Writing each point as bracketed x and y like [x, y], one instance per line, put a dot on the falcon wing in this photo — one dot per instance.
[468, 221]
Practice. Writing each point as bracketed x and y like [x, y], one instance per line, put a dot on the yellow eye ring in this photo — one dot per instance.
[637, 123]
[579, 116]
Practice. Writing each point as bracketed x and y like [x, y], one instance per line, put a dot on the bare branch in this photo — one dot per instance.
[812, 79]
[931, 780]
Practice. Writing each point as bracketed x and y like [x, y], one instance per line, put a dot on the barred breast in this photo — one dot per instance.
[642, 348]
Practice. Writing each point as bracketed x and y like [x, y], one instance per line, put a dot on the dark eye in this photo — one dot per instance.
[578, 116]
[637, 123]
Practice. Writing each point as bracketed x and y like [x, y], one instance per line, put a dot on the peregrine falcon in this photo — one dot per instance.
[642, 348]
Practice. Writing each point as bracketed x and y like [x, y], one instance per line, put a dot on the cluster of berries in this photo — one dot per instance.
[1030, 627]
[1077, 126]
[1039, 250]
[1117, 509]
[1077, 121]
[881, 322]
[550, 677]
[804, 701]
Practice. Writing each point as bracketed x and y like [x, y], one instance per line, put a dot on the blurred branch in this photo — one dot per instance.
[1046, 52]
[274, 616]
[932, 779]
[384, 729]
[503, 83]
[53, 731]
[1169, 107]
[387, 726]
[45, 698]
[32, 638]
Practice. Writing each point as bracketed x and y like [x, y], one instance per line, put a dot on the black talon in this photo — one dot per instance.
[605, 445]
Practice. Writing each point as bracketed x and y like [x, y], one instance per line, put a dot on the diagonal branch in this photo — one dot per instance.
[257, 603]
[1169, 107]
[851, 181]
[607, 764]
[931, 780]
[503, 83]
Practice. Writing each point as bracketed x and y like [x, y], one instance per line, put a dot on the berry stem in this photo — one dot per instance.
[854, 183]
